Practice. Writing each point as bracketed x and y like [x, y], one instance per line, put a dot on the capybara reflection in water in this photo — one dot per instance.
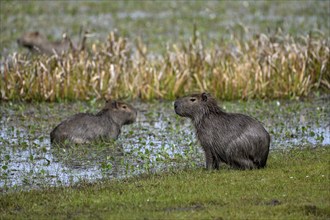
[235, 139]
[86, 127]
[38, 43]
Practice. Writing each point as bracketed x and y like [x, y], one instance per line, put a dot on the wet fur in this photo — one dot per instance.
[235, 139]
[87, 127]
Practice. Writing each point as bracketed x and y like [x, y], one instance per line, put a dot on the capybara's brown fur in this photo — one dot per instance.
[235, 139]
[38, 43]
[87, 127]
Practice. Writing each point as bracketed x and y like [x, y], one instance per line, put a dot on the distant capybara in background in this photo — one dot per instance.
[86, 127]
[38, 43]
[235, 139]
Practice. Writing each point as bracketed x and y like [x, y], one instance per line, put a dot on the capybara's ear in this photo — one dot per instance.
[36, 33]
[204, 96]
[114, 104]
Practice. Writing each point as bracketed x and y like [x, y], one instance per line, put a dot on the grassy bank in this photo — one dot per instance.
[293, 186]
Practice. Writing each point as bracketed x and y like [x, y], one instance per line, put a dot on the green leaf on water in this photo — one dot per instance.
[312, 133]
[48, 162]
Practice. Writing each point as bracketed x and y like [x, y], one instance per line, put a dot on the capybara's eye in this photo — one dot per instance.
[193, 99]
[124, 106]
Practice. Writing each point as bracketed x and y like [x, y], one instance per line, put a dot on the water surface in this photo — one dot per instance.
[158, 141]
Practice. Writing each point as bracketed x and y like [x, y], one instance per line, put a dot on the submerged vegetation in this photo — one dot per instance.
[158, 141]
[268, 66]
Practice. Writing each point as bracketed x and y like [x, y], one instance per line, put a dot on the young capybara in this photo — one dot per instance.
[38, 43]
[86, 127]
[235, 139]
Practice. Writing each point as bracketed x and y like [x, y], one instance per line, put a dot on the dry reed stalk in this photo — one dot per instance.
[259, 68]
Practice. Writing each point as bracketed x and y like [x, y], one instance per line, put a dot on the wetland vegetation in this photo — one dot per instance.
[269, 60]
[277, 62]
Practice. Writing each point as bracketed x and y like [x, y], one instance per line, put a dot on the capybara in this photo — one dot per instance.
[86, 127]
[38, 43]
[235, 139]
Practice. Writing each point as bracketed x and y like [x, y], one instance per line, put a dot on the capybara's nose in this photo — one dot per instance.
[175, 105]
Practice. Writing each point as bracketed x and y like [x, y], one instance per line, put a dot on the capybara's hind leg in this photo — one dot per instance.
[216, 163]
[243, 164]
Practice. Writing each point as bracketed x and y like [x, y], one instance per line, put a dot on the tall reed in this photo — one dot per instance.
[277, 66]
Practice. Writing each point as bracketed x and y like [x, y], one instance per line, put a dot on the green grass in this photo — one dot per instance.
[295, 185]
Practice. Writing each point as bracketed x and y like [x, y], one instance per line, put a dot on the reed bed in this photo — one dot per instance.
[267, 66]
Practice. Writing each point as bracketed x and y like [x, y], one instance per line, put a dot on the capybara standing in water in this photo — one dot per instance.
[86, 127]
[38, 43]
[235, 139]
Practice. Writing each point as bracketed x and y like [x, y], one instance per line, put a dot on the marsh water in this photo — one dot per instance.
[157, 142]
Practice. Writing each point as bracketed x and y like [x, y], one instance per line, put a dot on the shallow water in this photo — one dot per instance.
[158, 141]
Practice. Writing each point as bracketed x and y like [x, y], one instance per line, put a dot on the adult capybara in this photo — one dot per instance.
[38, 43]
[235, 139]
[86, 127]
